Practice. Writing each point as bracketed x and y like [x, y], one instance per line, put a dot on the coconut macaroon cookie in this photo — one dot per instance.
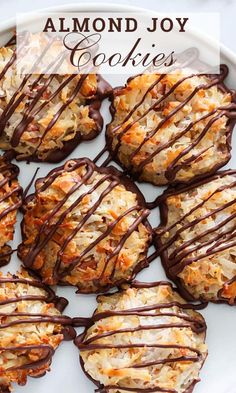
[197, 237]
[10, 201]
[172, 128]
[144, 338]
[44, 117]
[31, 328]
[85, 226]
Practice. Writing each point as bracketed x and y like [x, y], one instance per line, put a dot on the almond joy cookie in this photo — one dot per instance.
[197, 237]
[172, 128]
[32, 326]
[10, 202]
[44, 117]
[85, 226]
[144, 338]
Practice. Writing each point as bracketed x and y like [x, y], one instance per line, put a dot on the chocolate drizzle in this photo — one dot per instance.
[46, 351]
[114, 177]
[175, 166]
[198, 326]
[175, 262]
[37, 89]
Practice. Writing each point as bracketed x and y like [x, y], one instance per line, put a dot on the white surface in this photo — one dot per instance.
[218, 374]
[226, 8]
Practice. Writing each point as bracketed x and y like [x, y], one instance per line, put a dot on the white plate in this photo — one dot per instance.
[218, 373]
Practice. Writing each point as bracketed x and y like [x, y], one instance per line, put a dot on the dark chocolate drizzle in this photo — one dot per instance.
[197, 325]
[114, 177]
[31, 318]
[175, 263]
[26, 190]
[37, 89]
[173, 169]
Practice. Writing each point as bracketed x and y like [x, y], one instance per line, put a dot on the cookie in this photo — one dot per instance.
[31, 328]
[144, 338]
[172, 128]
[197, 237]
[10, 201]
[85, 226]
[44, 117]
